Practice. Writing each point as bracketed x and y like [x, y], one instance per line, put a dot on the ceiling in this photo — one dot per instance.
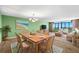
[43, 12]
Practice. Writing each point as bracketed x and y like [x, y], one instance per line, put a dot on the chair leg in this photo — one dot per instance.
[21, 49]
[51, 50]
[18, 50]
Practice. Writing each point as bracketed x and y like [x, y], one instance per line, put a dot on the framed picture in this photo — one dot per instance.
[20, 24]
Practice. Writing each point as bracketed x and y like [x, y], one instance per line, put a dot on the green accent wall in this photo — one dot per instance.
[11, 21]
[0, 28]
[6, 20]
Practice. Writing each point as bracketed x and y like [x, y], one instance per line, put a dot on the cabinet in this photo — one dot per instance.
[50, 26]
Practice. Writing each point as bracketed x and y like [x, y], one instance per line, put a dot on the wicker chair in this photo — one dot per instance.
[43, 46]
[75, 40]
[46, 46]
[50, 44]
[22, 46]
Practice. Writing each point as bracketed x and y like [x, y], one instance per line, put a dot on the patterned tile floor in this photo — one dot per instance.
[60, 46]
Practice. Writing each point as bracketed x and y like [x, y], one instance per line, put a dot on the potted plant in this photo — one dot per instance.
[5, 30]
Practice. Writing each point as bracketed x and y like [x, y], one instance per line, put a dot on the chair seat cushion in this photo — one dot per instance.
[25, 45]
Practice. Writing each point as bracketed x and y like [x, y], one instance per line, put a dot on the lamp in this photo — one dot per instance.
[33, 18]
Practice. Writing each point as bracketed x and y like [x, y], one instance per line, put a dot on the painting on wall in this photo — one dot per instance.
[20, 24]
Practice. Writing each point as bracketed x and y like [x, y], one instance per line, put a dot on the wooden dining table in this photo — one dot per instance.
[35, 38]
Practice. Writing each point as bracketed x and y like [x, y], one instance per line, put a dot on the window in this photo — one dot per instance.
[63, 25]
[67, 24]
[70, 24]
[60, 25]
[57, 26]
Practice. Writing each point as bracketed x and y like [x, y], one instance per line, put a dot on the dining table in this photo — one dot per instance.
[36, 38]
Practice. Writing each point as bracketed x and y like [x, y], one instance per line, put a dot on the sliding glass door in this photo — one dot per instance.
[62, 25]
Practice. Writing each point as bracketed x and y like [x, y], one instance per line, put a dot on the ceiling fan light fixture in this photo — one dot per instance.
[33, 19]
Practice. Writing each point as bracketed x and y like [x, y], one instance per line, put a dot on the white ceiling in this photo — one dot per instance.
[49, 12]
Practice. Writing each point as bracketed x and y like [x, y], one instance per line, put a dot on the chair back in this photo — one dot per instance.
[18, 38]
[50, 44]
[44, 42]
[43, 46]
[19, 45]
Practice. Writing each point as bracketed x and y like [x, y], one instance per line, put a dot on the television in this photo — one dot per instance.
[43, 26]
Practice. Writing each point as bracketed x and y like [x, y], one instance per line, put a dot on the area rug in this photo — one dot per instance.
[57, 49]
[14, 47]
